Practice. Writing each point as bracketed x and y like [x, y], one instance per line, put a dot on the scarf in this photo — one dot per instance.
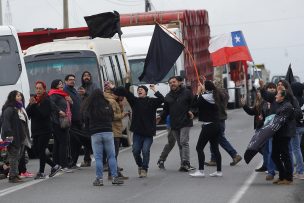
[40, 98]
[59, 92]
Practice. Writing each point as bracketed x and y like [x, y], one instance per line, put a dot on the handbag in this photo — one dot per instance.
[66, 121]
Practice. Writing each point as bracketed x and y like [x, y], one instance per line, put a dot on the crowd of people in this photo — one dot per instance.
[91, 118]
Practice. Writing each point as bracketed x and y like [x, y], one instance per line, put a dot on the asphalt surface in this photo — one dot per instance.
[239, 183]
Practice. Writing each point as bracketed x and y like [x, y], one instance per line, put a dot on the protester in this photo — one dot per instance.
[178, 105]
[39, 111]
[171, 139]
[15, 128]
[117, 126]
[88, 87]
[297, 89]
[207, 100]
[98, 117]
[143, 123]
[224, 143]
[76, 138]
[60, 110]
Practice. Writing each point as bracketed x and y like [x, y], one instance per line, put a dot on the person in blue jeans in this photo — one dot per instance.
[143, 123]
[98, 116]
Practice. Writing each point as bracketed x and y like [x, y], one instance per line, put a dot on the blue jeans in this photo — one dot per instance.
[104, 141]
[296, 149]
[142, 144]
[267, 157]
[224, 143]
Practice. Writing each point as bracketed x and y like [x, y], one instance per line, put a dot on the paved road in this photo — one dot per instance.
[239, 183]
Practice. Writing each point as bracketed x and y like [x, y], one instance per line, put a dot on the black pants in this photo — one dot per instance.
[40, 144]
[281, 157]
[60, 148]
[78, 139]
[22, 162]
[211, 133]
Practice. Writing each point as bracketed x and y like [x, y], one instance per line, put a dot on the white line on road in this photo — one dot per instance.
[33, 182]
[240, 193]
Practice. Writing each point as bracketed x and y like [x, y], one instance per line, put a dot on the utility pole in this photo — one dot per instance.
[65, 14]
[1, 20]
[147, 6]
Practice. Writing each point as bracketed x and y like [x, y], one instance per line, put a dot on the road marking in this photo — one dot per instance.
[240, 193]
[33, 182]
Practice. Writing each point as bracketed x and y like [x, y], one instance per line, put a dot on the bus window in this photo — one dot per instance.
[116, 79]
[122, 67]
[10, 70]
[108, 69]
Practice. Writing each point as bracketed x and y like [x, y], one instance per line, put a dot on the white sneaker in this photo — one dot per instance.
[216, 174]
[67, 170]
[198, 173]
[300, 176]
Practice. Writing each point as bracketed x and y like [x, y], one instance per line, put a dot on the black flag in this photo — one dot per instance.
[289, 75]
[162, 54]
[104, 25]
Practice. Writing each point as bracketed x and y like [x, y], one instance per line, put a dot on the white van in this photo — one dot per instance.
[13, 74]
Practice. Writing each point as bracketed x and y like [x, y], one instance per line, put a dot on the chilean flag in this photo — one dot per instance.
[228, 48]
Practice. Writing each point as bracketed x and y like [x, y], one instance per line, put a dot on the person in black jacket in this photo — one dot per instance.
[207, 100]
[143, 123]
[88, 86]
[39, 111]
[61, 100]
[14, 128]
[178, 105]
[98, 117]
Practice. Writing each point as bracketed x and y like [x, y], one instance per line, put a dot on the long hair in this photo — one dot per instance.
[11, 99]
[289, 94]
[93, 105]
[258, 102]
[209, 86]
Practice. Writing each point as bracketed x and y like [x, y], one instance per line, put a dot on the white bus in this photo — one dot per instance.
[13, 74]
[103, 58]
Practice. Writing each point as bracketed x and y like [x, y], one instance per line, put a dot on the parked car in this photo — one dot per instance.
[275, 79]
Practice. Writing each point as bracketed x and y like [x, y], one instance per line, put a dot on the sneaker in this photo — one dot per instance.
[183, 169]
[216, 174]
[119, 169]
[276, 181]
[75, 167]
[67, 170]
[285, 182]
[139, 171]
[15, 179]
[186, 167]
[300, 176]
[85, 164]
[40, 176]
[98, 182]
[143, 173]
[121, 176]
[269, 177]
[2, 176]
[55, 170]
[117, 181]
[210, 163]
[198, 173]
[261, 169]
[161, 164]
[26, 175]
[236, 160]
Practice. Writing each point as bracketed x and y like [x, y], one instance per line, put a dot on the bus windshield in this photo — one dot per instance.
[137, 67]
[51, 69]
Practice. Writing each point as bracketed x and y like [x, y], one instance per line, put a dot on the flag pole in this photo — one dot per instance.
[191, 57]
[124, 55]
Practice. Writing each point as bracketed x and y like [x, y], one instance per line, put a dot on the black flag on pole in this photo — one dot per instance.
[104, 25]
[289, 75]
[162, 54]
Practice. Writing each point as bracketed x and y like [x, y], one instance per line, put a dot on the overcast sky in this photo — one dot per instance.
[273, 29]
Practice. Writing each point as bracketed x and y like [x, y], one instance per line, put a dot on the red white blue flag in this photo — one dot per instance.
[228, 48]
